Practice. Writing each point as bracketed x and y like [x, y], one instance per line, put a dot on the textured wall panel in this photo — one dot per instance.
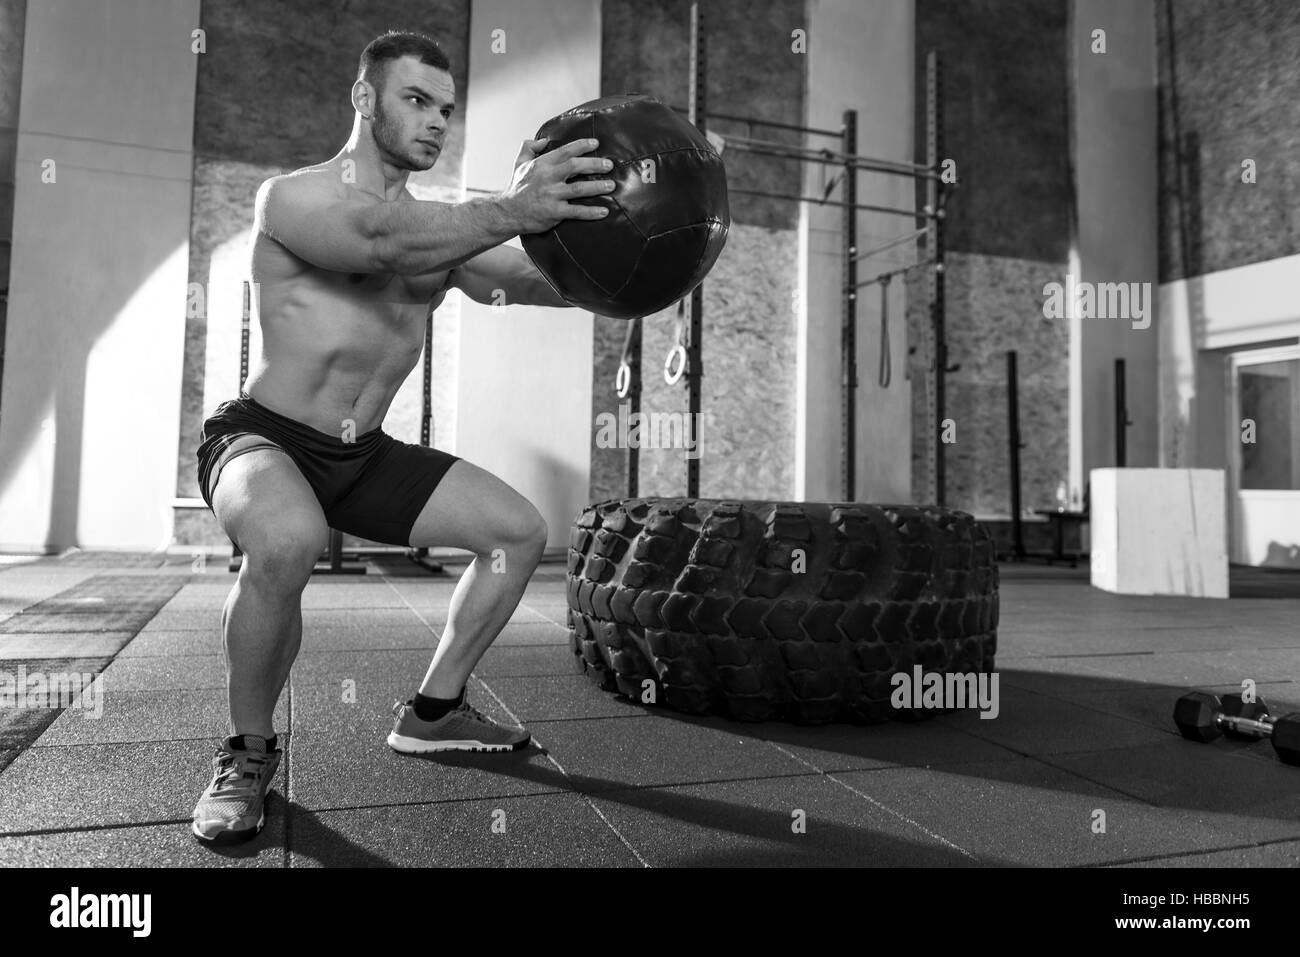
[1229, 91]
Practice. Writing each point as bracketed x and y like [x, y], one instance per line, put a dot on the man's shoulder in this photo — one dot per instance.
[294, 193]
[316, 182]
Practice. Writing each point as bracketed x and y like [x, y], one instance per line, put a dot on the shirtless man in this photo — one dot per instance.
[348, 263]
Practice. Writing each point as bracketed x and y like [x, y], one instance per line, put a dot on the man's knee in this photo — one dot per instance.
[282, 555]
[522, 530]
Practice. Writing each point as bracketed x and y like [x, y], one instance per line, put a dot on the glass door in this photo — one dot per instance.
[1264, 458]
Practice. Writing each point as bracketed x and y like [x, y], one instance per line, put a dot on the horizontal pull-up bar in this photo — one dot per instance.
[818, 201]
[829, 157]
[755, 121]
[892, 243]
[887, 276]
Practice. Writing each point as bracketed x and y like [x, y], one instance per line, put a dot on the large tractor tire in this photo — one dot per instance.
[764, 610]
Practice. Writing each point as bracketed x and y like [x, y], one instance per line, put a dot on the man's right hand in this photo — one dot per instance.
[539, 196]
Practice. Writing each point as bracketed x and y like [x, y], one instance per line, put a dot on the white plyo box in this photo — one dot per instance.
[1160, 532]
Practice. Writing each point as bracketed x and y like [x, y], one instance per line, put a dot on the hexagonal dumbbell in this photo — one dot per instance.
[1204, 717]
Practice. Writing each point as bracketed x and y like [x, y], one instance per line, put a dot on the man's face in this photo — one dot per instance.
[413, 112]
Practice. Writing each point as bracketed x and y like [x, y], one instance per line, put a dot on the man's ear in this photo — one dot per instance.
[363, 98]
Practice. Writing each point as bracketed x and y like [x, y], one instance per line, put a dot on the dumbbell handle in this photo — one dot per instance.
[1259, 729]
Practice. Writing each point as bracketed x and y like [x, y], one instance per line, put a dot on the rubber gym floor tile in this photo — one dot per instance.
[408, 635]
[1188, 670]
[173, 643]
[555, 607]
[537, 632]
[99, 785]
[36, 584]
[158, 845]
[541, 616]
[1215, 778]
[1035, 724]
[403, 669]
[552, 830]
[54, 645]
[356, 768]
[34, 622]
[1279, 854]
[19, 727]
[521, 661]
[136, 716]
[329, 669]
[599, 754]
[841, 747]
[556, 697]
[323, 594]
[1110, 671]
[1152, 705]
[1127, 640]
[1027, 813]
[323, 705]
[209, 601]
[753, 823]
[368, 619]
[1055, 676]
[1049, 606]
[1258, 665]
[165, 673]
[184, 619]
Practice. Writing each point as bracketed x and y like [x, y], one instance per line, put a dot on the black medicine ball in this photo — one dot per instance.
[668, 217]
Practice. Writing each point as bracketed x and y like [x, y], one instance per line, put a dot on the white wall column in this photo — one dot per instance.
[90, 409]
[523, 402]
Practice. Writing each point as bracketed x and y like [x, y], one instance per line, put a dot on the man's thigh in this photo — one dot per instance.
[262, 500]
[473, 509]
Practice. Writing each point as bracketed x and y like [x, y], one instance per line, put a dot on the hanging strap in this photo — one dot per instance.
[677, 353]
[623, 378]
[886, 372]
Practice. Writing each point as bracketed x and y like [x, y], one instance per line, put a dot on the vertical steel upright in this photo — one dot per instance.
[934, 199]
[849, 310]
[694, 350]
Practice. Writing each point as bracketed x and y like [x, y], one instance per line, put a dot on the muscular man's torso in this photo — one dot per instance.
[335, 346]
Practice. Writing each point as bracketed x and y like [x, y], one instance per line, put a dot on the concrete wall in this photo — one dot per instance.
[748, 423]
[94, 336]
[1230, 91]
[1005, 121]
[1115, 162]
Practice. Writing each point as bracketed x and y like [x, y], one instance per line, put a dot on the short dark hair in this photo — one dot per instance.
[394, 45]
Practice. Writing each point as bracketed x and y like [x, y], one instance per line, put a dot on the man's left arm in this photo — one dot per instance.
[504, 276]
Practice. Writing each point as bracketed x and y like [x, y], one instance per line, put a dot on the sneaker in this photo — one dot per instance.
[461, 729]
[233, 808]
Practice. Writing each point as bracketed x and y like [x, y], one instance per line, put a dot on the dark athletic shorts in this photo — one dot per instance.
[373, 487]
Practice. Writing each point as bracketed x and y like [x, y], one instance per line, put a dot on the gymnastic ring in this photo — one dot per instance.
[678, 351]
[623, 380]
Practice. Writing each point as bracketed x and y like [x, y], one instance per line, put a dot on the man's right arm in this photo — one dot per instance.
[359, 236]
[304, 213]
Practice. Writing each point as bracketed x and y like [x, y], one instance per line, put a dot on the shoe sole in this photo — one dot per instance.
[405, 745]
[230, 836]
